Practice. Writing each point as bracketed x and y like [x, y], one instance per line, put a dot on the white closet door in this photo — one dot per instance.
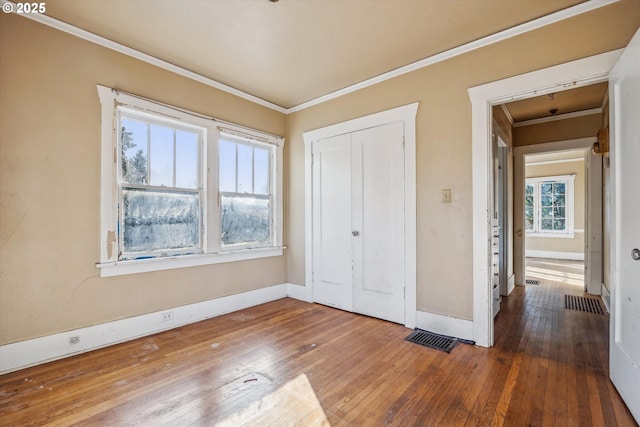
[332, 270]
[378, 222]
[358, 222]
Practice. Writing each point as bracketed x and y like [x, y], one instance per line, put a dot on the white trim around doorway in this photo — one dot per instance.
[582, 72]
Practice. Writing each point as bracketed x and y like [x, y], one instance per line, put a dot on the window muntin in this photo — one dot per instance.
[246, 197]
[160, 191]
[548, 205]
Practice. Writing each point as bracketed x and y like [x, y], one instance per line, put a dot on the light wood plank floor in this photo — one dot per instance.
[294, 363]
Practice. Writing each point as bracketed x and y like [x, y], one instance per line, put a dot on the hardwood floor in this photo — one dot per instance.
[294, 363]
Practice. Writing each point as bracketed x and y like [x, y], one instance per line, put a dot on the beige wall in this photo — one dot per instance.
[561, 130]
[50, 181]
[576, 244]
[444, 240]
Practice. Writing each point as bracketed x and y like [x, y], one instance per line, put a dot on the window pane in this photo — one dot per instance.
[133, 146]
[158, 221]
[546, 224]
[546, 213]
[245, 169]
[558, 212]
[545, 201]
[529, 190]
[261, 171]
[161, 156]
[245, 220]
[559, 200]
[558, 188]
[559, 224]
[546, 188]
[528, 218]
[227, 161]
[186, 159]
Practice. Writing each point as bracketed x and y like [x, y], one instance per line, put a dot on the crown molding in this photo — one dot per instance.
[555, 118]
[110, 44]
[535, 24]
[561, 15]
[507, 113]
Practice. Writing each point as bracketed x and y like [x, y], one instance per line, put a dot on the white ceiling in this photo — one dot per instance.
[294, 51]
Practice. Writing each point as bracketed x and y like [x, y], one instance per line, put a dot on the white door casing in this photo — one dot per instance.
[624, 108]
[405, 115]
[593, 223]
[561, 77]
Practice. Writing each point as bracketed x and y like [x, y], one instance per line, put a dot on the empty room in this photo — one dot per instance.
[173, 249]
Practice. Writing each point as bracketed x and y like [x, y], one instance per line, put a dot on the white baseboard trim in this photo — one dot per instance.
[511, 284]
[576, 256]
[445, 325]
[298, 292]
[35, 351]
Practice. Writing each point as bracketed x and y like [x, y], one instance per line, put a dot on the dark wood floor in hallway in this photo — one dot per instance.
[293, 363]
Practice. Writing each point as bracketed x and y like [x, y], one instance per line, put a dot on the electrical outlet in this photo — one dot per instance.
[166, 316]
[74, 340]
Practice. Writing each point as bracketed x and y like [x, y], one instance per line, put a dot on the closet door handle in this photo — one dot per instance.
[635, 254]
[355, 233]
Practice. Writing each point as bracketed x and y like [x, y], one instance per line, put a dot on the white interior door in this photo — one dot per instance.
[332, 269]
[358, 222]
[378, 222]
[624, 348]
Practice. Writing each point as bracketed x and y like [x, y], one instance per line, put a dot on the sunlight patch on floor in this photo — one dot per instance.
[293, 404]
[573, 279]
[566, 265]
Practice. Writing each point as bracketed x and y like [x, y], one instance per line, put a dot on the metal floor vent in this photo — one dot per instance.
[589, 305]
[431, 340]
[531, 282]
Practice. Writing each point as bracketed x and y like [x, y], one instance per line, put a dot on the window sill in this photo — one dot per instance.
[121, 268]
[552, 235]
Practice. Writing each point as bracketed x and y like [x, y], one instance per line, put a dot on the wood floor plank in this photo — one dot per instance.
[293, 363]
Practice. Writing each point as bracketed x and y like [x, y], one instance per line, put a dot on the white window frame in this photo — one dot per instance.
[569, 181]
[112, 101]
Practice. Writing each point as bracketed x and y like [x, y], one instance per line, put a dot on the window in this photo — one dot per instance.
[245, 192]
[548, 206]
[180, 190]
[160, 188]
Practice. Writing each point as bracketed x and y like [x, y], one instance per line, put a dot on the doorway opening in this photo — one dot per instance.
[555, 200]
[580, 73]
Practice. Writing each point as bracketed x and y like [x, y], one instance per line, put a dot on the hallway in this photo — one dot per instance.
[560, 370]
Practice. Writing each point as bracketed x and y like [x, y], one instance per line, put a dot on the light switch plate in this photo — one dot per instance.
[446, 195]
